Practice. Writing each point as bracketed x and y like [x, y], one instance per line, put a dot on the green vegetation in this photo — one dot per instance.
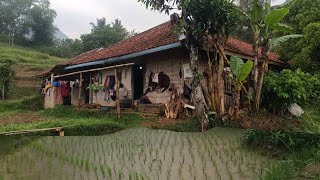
[282, 89]
[75, 122]
[304, 18]
[138, 154]
[32, 59]
[27, 22]
[6, 77]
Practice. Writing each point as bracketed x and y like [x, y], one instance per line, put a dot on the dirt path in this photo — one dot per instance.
[161, 122]
[21, 118]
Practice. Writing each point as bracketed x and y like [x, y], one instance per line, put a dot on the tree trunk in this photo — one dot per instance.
[221, 85]
[263, 68]
[3, 92]
[196, 88]
[211, 82]
[256, 62]
[237, 103]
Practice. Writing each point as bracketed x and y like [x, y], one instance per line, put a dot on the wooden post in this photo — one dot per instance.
[61, 133]
[52, 78]
[80, 91]
[117, 92]
[90, 91]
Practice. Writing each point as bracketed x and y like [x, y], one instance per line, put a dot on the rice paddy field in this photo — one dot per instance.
[138, 153]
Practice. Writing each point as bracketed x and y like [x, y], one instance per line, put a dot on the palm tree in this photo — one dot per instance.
[101, 23]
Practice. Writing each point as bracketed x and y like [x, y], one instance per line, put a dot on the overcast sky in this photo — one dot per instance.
[74, 16]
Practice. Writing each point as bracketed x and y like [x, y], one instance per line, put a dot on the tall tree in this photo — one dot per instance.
[101, 23]
[30, 20]
[13, 17]
[41, 22]
[6, 77]
[203, 21]
[104, 35]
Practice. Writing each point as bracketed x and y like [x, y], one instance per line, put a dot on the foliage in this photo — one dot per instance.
[95, 88]
[285, 141]
[264, 23]
[29, 20]
[304, 18]
[103, 35]
[298, 150]
[277, 41]
[310, 120]
[209, 18]
[240, 69]
[308, 58]
[66, 48]
[79, 123]
[280, 171]
[34, 103]
[7, 75]
[28, 58]
[282, 89]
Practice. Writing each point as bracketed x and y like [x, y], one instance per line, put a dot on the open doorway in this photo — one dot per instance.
[138, 76]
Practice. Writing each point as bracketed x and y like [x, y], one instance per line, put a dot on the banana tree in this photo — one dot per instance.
[241, 72]
[264, 22]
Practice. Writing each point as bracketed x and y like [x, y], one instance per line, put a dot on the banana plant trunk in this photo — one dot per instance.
[221, 85]
[237, 102]
[256, 62]
[265, 57]
[197, 94]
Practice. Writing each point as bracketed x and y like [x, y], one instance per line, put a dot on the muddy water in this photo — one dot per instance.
[137, 154]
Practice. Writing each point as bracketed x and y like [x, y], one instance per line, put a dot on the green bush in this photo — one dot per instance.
[282, 89]
[292, 141]
[34, 103]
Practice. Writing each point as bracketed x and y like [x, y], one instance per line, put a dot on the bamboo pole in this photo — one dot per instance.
[90, 90]
[117, 92]
[80, 91]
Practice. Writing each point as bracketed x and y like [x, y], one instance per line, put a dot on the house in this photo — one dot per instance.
[131, 62]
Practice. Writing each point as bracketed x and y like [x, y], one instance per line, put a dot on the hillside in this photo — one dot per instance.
[28, 62]
[60, 35]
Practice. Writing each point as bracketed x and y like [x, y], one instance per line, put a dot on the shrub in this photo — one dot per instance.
[282, 89]
[34, 103]
[281, 140]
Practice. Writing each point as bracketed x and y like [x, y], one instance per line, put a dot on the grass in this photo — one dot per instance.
[296, 166]
[311, 119]
[33, 59]
[75, 122]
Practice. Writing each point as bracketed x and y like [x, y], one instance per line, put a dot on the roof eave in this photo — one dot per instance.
[121, 59]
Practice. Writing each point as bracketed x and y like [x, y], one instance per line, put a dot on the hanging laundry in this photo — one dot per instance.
[65, 89]
[155, 78]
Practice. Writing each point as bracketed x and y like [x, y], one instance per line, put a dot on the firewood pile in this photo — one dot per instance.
[177, 106]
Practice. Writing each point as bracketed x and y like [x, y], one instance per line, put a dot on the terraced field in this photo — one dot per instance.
[137, 154]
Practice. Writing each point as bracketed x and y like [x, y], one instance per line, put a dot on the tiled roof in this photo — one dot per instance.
[237, 46]
[158, 36]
